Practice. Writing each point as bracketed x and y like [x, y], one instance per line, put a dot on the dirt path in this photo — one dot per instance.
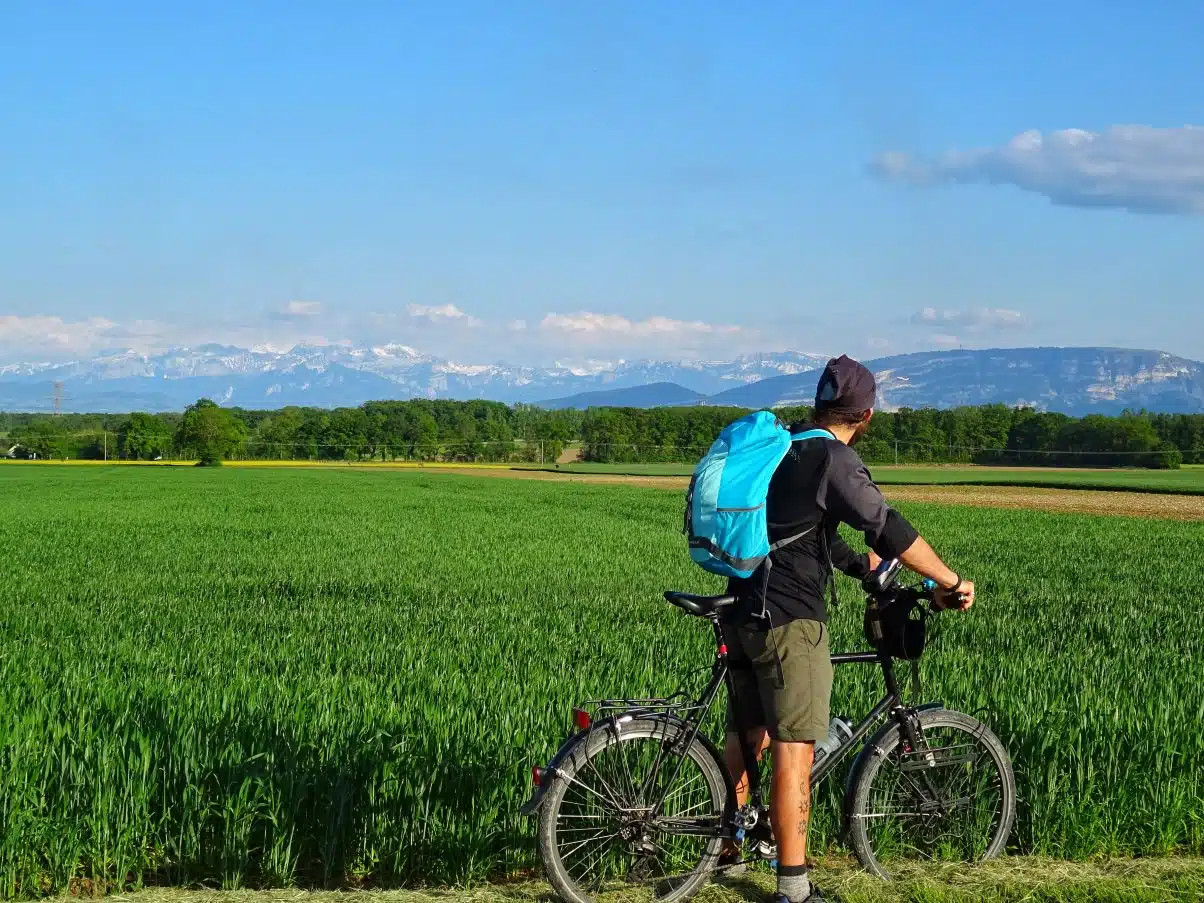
[1074, 501]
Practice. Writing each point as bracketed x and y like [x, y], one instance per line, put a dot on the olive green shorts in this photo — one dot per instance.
[781, 680]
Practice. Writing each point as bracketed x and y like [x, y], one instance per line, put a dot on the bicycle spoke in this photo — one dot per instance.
[615, 799]
[941, 801]
[566, 855]
[605, 833]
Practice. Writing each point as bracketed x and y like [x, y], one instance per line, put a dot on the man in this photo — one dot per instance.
[778, 634]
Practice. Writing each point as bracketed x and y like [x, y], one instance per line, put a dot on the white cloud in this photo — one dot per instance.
[448, 313]
[1132, 167]
[980, 319]
[303, 308]
[946, 341]
[44, 337]
[47, 334]
[612, 326]
[445, 331]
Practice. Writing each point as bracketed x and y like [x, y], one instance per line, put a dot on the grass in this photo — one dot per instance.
[1011, 880]
[324, 677]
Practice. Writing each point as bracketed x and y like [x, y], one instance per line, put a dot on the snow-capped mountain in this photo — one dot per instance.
[1072, 380]
[334, 375]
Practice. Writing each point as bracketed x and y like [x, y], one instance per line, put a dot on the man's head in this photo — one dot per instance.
[845, 396]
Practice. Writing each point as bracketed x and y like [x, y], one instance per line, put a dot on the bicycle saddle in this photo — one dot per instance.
[702, 606]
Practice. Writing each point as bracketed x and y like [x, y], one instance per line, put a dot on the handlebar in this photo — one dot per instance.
[885, 578]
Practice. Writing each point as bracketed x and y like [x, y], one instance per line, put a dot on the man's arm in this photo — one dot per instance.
[920, 557]
[851, 496]
[856, 564]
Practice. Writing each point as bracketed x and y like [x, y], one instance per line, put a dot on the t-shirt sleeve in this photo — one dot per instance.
[855, 564]
[848, 494]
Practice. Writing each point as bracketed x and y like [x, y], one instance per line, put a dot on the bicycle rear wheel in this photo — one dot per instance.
[598, 836]
[952, 799]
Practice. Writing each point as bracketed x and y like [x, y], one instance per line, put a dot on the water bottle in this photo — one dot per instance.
[839, 731]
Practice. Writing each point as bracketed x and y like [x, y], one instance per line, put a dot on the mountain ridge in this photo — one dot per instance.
[334, 375]
[1072, 380]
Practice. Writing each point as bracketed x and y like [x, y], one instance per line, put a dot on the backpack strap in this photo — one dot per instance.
[768, 563]
[812, 434]
[821, 433]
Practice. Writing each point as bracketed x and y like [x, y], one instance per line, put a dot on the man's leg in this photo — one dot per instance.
[790, 802]
[796, 674]
[744, 713]
[733, 755]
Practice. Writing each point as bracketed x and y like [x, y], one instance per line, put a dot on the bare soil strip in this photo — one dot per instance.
[1072, 501]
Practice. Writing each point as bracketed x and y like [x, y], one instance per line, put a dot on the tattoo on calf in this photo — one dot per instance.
[804, 808]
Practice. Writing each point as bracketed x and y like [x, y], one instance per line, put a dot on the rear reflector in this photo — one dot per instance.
[537, 774]
[581, 719]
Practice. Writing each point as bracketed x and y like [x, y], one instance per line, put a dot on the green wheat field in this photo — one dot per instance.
[270, 677]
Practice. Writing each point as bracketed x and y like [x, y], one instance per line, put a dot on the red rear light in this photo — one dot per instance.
[581, 719]
[537, 775]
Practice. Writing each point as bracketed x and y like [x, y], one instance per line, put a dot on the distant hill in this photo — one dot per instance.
[656, 395]
[1074, 381]
[343, 376]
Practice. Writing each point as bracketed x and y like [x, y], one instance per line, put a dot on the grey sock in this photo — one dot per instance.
[796, 888]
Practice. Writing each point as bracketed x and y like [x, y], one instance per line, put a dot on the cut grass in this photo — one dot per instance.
[1009, 880]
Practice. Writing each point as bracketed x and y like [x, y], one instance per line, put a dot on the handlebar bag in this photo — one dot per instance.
[897, 625]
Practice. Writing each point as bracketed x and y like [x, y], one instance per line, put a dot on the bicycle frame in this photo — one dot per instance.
[890, 703]
[695, 713]
[690, 713]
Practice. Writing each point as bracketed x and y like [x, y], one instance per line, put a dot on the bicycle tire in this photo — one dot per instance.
[886, 749]
[715, 779]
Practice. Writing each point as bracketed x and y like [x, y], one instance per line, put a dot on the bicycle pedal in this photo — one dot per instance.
[762, 831]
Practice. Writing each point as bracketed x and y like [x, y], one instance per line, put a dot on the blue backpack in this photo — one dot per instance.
[725, 505]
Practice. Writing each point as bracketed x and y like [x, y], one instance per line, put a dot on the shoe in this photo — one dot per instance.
[814, 897]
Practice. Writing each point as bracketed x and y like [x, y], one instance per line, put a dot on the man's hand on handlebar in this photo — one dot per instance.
[960, 597]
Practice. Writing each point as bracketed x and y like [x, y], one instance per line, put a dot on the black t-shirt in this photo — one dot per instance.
[820, 484]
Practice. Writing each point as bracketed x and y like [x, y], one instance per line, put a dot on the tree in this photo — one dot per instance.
[45, 438]
[143, 437]
[209, 432]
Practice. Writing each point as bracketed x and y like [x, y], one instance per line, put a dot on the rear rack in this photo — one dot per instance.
[679, 703]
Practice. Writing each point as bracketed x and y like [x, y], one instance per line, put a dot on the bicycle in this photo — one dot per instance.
[614, 811]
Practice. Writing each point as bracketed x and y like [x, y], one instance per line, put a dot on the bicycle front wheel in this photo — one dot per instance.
[952, 799]
[602, 835]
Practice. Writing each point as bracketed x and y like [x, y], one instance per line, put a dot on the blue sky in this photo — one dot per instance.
[536, 181]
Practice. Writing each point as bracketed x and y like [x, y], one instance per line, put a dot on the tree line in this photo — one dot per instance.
[427, 430]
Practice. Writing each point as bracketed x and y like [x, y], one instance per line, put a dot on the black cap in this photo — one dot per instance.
[846, 387]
